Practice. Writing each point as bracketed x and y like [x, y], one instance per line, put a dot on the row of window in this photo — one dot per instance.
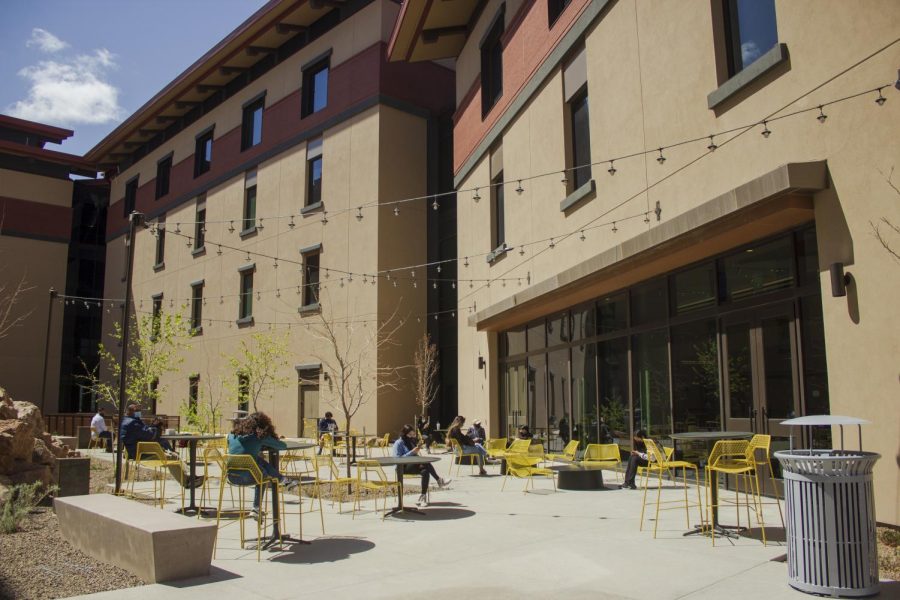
[309, 285]
[313, 98]
[243, 390]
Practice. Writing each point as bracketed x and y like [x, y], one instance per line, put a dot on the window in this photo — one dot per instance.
[492, 64]
[498, 212]
[200, 225]
[554, 9]
[315, 88]
[203, 153]
[251, 126]
[160, 243]
[163, 176]
[311, 278]
[156, 316]
[314, 172]
[130, 197]
[243, 392]
[578, 127]
[246, 306]
[193, 393]
[197, 307]
[249, 223]
[750, 31]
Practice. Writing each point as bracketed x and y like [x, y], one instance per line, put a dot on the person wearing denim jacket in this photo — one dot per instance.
[406, 446]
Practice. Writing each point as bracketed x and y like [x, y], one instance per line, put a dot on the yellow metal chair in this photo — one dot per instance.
[150, 455]
[734, 457]
[525, 467]
[604, 455]
[96, 441]
[496, 448]
[213, 455]
[384, 442]
[370, 476]
[668, 450]
[658, 463]
[759, 452]
[518, 447]
[570, 452]
[337, 483]
[459, 454]
[242, 464]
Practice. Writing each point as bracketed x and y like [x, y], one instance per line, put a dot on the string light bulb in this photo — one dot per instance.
[435, 204]
[359, 215]
[565, 179]
[466, 261]
[766, 132]
[519, 188]
[880, 100]
[219, 250]
[660, 159]
[822, 116]
[712, 145]
[231, 227]
[177, 228]
[324, 217]
[552, 244]
[521, 250]
[396, 211]
[582, 237]
[439, 268]
[292, 224]
[476, 197]
[612, 169]
[614, 228]
[260, 225]
[646, 217]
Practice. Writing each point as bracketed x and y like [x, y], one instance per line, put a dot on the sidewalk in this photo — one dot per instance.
[476, 539]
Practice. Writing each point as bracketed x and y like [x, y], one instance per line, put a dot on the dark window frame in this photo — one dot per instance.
[155, 316]
[197, 307]
[129, 203]
[245, 306]
[248, 212]
[733, 51]
[491, 49]
[498, 212]
[200, 225]
[193, 392]
[163, 176]
[580, 137]
[160, 251]
[555, 8]
[311, 277]
[201, 163]
[308, 93]
[249, 132]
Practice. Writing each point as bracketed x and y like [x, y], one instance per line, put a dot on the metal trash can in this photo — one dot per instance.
[830, 519]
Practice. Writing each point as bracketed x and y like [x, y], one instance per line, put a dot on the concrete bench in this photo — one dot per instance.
[153, 544]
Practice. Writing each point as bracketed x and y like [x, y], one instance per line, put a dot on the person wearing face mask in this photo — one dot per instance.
[407, 445]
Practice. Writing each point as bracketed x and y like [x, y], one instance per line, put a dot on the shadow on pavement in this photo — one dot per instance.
[324, 549]
[773, 534]
[436, 514]
[215, 574]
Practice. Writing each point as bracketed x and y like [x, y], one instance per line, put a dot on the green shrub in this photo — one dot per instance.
[20, 500]
[890, 537]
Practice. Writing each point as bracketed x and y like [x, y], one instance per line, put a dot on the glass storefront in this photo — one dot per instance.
[735, 342]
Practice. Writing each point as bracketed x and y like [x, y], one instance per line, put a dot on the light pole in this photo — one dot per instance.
[47, 349]
[135, 219]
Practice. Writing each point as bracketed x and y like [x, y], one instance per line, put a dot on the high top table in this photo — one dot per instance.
[710, 437]
[276, 511]
[192, 508]
[400, 462]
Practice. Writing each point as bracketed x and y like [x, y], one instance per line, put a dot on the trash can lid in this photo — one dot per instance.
[811, 420]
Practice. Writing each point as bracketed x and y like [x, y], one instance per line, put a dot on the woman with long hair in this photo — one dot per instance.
[407, 445]
[249, 436]
[468, 445]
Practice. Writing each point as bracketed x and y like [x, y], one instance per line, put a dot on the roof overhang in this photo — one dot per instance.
[432, 29]
[45, 133]
[252, 41]
[76, 164]
[775, 202]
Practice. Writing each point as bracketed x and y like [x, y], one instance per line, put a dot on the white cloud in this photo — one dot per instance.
[70, 91]
[45, 41]
[749, 52]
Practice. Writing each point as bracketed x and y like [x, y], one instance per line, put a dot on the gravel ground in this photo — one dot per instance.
[889, 553]
[39, 563]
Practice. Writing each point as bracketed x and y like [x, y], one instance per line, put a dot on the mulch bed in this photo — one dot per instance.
[889, 553]
[39, 563]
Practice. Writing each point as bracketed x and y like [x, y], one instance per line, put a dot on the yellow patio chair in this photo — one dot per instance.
[384, 443]
[370, 476]
[604, 455]
[96, 441]
[659, 464]
[759, 451]
[525, 467]
[213, 455]
[668, 450]
[496, 447]
[519, 447]
[337, 483]
[734, 457]
[150, 455]
[244, 463]
[570, 452]
[459, 455]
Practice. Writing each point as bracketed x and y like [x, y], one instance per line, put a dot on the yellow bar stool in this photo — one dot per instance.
[243, 464]
[734, 457]
[659, 464]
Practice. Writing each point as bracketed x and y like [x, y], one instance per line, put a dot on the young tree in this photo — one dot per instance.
[10, 295]
[893, 230]
[156, 349]
[426, 363]
[258, 363]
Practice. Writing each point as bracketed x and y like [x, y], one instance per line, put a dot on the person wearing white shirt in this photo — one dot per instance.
[98, 427]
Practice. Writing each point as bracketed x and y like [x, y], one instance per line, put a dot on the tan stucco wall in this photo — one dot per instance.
[41, 265]
[35, 188]
[650, 68]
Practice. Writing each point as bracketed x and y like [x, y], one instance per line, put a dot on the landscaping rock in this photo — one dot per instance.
[15, 442]
[27, 452]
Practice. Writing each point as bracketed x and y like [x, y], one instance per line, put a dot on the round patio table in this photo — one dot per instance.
[192, 508]
[710, 437]
[575, 476]
[400, 462]
[276, 536]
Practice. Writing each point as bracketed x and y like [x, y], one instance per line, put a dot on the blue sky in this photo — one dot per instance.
[88, 64]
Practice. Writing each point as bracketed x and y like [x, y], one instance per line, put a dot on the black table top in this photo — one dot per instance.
[711, 435]
[390, 461]
[574, 466]
[189, 436]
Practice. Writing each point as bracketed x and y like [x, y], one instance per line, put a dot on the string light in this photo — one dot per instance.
[396, 211]
[359, 215]
[564, 180]
[612, 169]
[519, 188]
[614, 228]
[435, 204]
[231, 227]
[766, 132]
[552, 243]
[260, 225]
[880, 100]
[582, 237]
[822, 116]
[292, 224]
[712, 145]
[324, 217]
[660, 159]
[476, 197]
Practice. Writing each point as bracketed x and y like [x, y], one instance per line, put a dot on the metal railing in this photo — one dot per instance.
[68, 423]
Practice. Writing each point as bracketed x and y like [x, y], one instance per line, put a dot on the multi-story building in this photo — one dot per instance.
[43, 247]
[673, 212]
[278, 177]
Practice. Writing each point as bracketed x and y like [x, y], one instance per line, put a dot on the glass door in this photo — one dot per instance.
[515, 380]
[761, 371]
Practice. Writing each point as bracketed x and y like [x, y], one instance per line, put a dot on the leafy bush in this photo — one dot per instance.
[20, 500]
[890, 537]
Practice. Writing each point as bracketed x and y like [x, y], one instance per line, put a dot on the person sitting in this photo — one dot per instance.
[326, 425]
[524, 433]
[476, 432]
[249, 436]
[98, 424]
[606, 436]
[133, 430]
[468, 445]
[425, 430]
[407, 445]
[637, 458]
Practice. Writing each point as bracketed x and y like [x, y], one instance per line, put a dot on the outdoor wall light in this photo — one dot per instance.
[480, 362]
[839, 280]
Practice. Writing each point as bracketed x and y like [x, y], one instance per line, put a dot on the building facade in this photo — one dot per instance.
[672, 215]
[38, 199]
[275, 178]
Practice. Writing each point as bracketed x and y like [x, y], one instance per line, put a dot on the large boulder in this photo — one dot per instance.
[42, 455]
[30, 414]
[16, 442]
[7, 408]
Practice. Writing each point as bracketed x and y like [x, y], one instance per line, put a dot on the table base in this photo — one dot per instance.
[726, 531]
[400, 509]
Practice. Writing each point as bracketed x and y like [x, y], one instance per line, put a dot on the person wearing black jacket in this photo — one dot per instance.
[468, 445]
[406, 445]
[637, 458]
